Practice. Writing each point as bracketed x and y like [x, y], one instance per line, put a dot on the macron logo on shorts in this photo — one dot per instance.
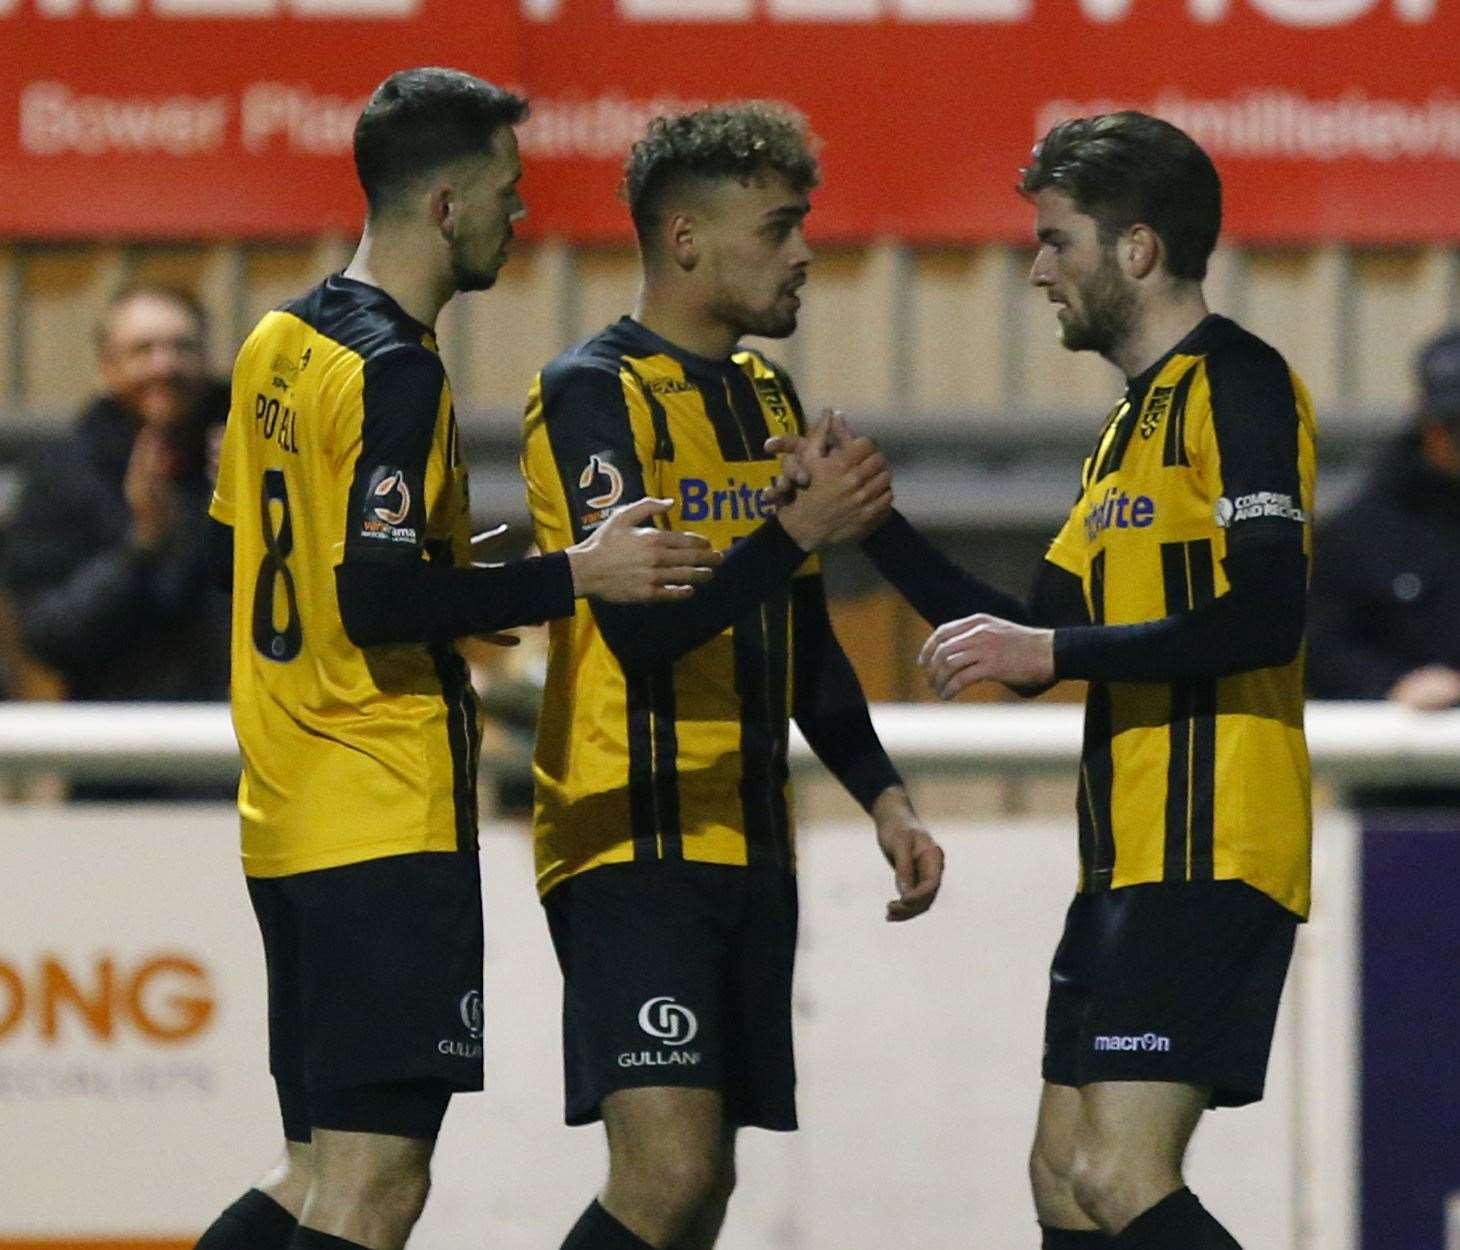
[1137, 1041]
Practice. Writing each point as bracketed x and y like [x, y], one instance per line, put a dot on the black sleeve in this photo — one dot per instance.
[592, 443]
[828, 702]
[941, 591]
[642, 635]
[388, 593]
[1259, 622]
[401, 399]
[383, 602]
[1255, 435]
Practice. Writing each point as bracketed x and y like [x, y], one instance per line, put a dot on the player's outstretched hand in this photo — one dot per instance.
[986, 648]
[848, 492]
[917, 860]
[624, 562]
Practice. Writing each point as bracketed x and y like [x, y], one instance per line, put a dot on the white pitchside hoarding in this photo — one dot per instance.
[134, 1100]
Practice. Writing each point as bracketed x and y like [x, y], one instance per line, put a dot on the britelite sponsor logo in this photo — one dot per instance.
[735, 501]
[1116, 510]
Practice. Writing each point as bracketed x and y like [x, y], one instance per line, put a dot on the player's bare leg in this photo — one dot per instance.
[705, 1230]
[264, 1218]
[288, 1181]
[667, 1171]
[369, 1188]
[1052, 1165]
[1130, 1141]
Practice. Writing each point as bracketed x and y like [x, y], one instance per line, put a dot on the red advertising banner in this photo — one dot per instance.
[1329, 119]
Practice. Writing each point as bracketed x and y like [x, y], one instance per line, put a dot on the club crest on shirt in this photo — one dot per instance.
[601, 476]
[387, 505]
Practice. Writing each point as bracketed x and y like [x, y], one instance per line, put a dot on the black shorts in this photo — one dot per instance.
[375, 990]
[1174, 981]
[678, 973]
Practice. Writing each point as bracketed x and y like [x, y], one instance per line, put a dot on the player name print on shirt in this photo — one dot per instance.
[276, 422]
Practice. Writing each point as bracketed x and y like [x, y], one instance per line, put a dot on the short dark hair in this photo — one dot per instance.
[420, 119]
[1125, 168]
[125, 294]
[739, 141]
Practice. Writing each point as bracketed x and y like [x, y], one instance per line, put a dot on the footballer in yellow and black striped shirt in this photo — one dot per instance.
[663, 819]
[1176, 588]
[342, 503]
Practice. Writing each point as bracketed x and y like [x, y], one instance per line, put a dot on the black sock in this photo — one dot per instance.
[596, 1229]
[254, 1222]
[1177, 1222]
[313, 1239]
[1072, 1238]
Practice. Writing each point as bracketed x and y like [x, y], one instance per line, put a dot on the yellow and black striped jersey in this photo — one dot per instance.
[684, 758]
[341, 445]
[1205, 779]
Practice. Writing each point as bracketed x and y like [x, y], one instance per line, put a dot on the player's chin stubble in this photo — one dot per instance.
[467, 279]
[474, 277]
[771, 323]
[1109, 308]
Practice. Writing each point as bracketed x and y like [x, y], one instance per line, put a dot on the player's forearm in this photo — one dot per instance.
[937, 589]
[385, 602]
[1257, 624]
[642, 635]
[829, 705]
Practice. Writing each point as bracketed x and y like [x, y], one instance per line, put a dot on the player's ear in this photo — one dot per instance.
[1139, 251]
[680, 240]
[443, 209]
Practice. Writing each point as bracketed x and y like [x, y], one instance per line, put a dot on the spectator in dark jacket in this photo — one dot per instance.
[1384, 618]
[106, 557]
